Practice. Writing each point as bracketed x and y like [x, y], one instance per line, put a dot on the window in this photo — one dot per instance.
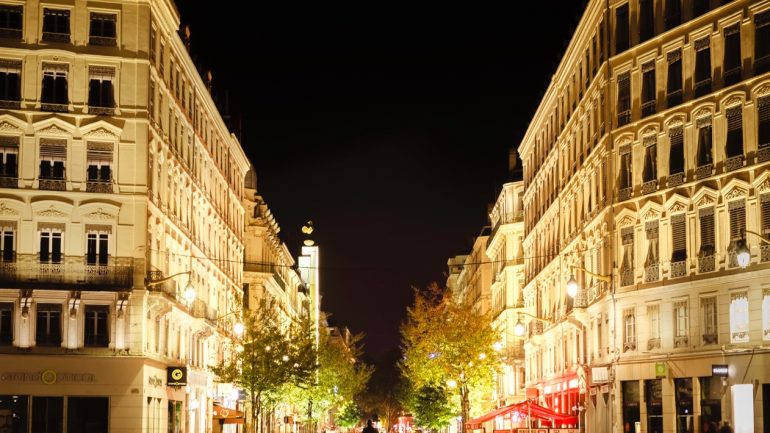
[676, 158]
[10, 83]
[47, 414]
[765, 315]
[10, 21]
[53, 155]
[153, 44]
[624, 179]
[652, 264]
[624, 98]
[734, 144]
[705, 156]
[732, 54]
[54, 96]
[646, 20]
[87, 414]
[702, 67]
[6, 323]
[50, 245]
[100, 90]
[96, 333]
[650, 172]
[763, 127]
[681, 323]
[708, 307]
[737, 212]
[9, 155]
[678, 238]
[673, 13]
[762, 42]
[98, 242]
[103, 29]
[699, 7]
[48, 325]
[653, 394]
[99, 171]
[684, 406]
[627, 265]
[56, 25]
[706, 216]
[621, 28]
[764, 201]
[653, 321]
[161, 60]
[648, 89]
[629, 329]
[7, 241]
[674, 82]
[739, 318]
[631, 398]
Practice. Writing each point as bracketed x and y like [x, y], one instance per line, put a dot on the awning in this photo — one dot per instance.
[227, 415]
[524, 409]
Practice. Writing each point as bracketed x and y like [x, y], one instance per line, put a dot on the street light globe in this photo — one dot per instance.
[742, 254]
[189, 293]
[238, 329]
[572, 287]
[451, 383]
[518, 328]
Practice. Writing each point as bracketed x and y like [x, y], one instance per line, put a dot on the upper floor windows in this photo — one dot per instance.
[732, 54]
[646, 19]
[97, 246]
[95, 329]
[763, 123]
[734, 142]
[99, 167]
[673, 13]
[103, 29]
[674, 82]
[56, 25]
[762, 42]
[55, 96]
[676, 151]
[51, 247]
[6, 323]
[705, 153]
[53, 157]
[699, 7]
[621, 28]
[48, 325]
[648, 89]
[10, 83]
[7, 241]
[702, 67]
[9, 157]
[624, 98]
[100, 90]
[11, 21]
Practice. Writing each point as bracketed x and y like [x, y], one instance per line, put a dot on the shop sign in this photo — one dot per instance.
[176, 376]
[660, 370]
[531, 393]
[600, 375]
[720, 370]
[605, 389]
[47, 377]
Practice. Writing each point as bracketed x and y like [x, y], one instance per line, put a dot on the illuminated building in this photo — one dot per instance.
[644, 164]
[120, 184]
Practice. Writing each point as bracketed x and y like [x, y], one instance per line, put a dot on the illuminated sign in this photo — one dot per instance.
[176, 376]
[660, 370]
[720, 370]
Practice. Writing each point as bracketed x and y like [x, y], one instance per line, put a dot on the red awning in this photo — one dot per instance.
[476, 422]
[524, 409]
[230, 416]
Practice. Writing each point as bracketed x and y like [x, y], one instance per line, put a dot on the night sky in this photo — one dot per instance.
[387, 125]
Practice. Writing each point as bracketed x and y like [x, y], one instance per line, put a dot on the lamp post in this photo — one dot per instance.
[572, 284]
[742, 253]
[189, 291]
[518, 328]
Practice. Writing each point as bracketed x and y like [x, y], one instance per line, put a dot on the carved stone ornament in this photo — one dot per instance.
[101, 133]
[6, 211]
[705, 201]
[626, 221]
[100, 214]
[8, 127]
[761, 91]
[675, 122]
[51, 212]
[733, 100]
[703, 112]
[623, 140]
[677, 207]
[53, 130]
[764, 186]
[735, 193]
[651, 214]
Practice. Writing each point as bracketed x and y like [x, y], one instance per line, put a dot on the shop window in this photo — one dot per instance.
[6, 325]
[14, 416]
[631, 400]
[684, 405]
[175, 419]
[653, 396]
[711, 391]
[88, 414]
[47, 414]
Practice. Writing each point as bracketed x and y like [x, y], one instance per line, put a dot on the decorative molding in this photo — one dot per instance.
[735, 193]
[651, 214]
[733, 100]
[705, 201]
[626, 221]
[100, 214]
[51, 212]
[764, 186]
[623, 141]
[9, 127]
[675, 122]
[703, 112]
[6, 211]
[53, 130]
[101, 132]
[761, 91]
[677, 207]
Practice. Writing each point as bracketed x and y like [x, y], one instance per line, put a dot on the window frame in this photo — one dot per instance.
[91, 317]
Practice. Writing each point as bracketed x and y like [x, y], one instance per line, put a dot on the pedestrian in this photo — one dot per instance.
[369, 428]
[726, 428]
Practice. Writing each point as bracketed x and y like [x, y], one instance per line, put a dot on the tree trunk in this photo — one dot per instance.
[464, 405]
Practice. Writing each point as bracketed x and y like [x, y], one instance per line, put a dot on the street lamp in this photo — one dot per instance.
[189, 291]
[518, 328]
[742, 253]
[572, 284]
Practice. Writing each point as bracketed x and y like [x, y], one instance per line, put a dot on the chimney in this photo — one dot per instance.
[187, 37]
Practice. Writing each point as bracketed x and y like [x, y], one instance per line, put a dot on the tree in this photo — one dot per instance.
[385, 396]
[431, 407]
[448, 343]
[274, 352]
[350, 415]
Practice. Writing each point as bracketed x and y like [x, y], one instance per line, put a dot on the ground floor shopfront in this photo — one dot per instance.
[68, 394]
[677, 394]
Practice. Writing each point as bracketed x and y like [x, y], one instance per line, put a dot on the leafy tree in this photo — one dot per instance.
[431, 407]
[350, 415]
[385, 396]
[274, 352]
[446, 341]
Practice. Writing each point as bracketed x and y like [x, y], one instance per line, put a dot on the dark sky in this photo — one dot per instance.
[387, 125]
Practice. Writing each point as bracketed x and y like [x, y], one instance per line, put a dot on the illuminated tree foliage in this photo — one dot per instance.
[349, 416]
[447, 343]
[274, 352]
[431, 407]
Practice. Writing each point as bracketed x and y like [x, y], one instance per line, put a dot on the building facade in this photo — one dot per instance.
[120, 186]
[645, 172]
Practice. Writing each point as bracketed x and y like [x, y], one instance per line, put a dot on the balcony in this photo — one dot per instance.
[648, 108]
[650, 186]
[7, 33]
[679, 269]
[732, 76]
[704, 171]
[764, 253]
[103, 41]
[675, 179]
[703, 87]
[9, 182]
[734, 163]
[624, 193]
[10, 105]
[624, 118]
[681, 341]
[706, 263]
[56, 37]
[73, 273]
[267, 268]
[55, 107]
[104, 187]
[626, 277]
[652, 273]
[761, 65]
[763, 154]
[674, 98]
[535, 328]
[629, 345]
[709, 338]
[53, 184]
[101, 111]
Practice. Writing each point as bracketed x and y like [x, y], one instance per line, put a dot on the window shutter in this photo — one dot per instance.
[99, 152]
[737, 210]
[707, 229]
[651, 228]
[53, 149]
[734, 118]
[763, 114]
[676, 160]
[764, 200]
[624, 91]
[679, 237]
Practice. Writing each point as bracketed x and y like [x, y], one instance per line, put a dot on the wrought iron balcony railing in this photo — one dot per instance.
[650, 186]
[679, 269]
[56, 37]
[68, 274]
[675, 179]
[104, 41]
[704, 171]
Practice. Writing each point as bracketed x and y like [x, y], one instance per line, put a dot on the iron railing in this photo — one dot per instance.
[28, 271]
